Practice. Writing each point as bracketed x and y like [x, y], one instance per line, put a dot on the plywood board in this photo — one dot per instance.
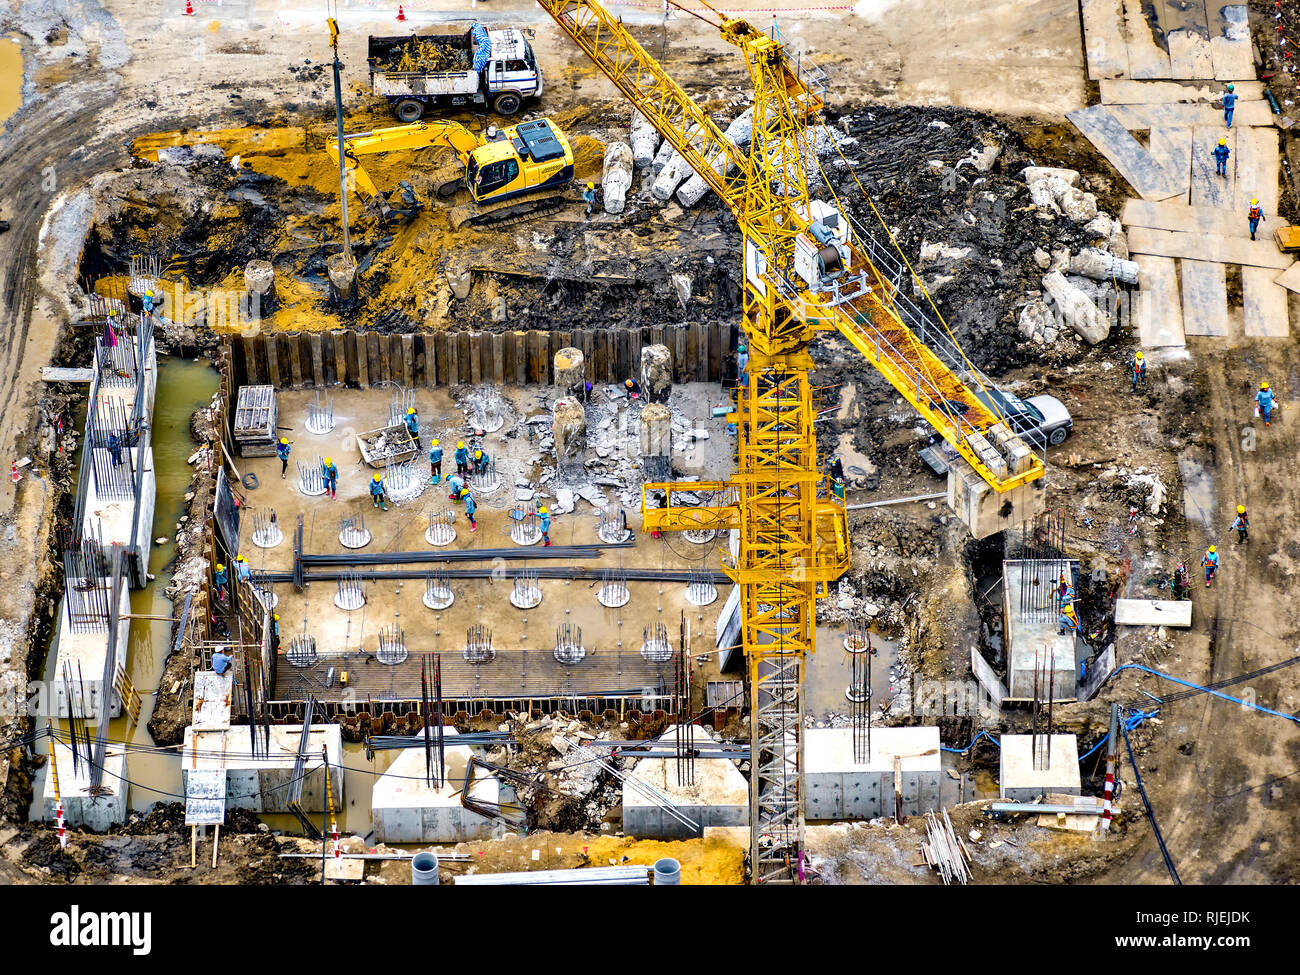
[1257, 171]
[1263, 304]
[1153, 612]
[1254, 112]
[1289, 279]
[1209, 189]
[1129, 92]
[1168, 215]
[1205, 298]
[1159, 315]
[1172, 149]
[1103, 39]
[1189, 55]
[1146, 58]
[1207, 247]
[1230, 42]
[1100, 127]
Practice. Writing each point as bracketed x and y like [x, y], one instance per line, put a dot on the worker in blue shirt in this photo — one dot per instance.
[462, 458]
[633, 388]
[470, 507]
[1265, 400]
[435, 462]
[329, 470]
[221, 580]
[837, 486]
[456, 483]
[1221, 154]
[148, 302]
[544, 522]
[413, 425]
[221, 660]
[114, 445]
[1253, 216]
[1229, 103]
[1210, 562]
[282, 451]
[275, 632]
[377, 492]
[742, 364]
[243, 571]
[1242, 524]
[481, 460]
[589, 198]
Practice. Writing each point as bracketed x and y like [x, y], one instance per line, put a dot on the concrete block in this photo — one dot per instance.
[1020, 781]
[1032, 639]
[404, 808]
[261, 783]
[839, 786]
[80, 809]
[719, 795]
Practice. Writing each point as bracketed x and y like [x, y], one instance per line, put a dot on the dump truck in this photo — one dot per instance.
[478, 67]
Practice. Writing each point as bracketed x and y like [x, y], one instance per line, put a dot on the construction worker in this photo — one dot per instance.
[243, 571]
[835, 468]
[457, 484]
[633, 388]
[413, 425]
[1210, 561]
[221, 660]
[114, 445]
[589, 197]
[1254, 215]
[742, 364]
[275, 632]
[462, 458]
[837, 486]
[1138, 370]
[1264, 403]
[480, 460]
[1242, 524]
[148, 302]
[329, 470]
[544, 522]
[1229, 103]
[1068, 621]
[470, 507]
[221, 580]
[377, 494]
[282, 451]
[1064, 591]
[435, 462]
[1221, 154]
[1178, 588]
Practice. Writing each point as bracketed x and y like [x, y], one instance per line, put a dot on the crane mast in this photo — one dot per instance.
[791, 533]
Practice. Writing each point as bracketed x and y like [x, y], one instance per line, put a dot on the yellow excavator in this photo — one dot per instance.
[517, 171]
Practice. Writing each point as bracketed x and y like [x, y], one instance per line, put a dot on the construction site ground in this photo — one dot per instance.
[108, 83]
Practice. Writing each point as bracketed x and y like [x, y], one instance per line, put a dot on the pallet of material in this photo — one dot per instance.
[257, 414]
[387, 445]
[1287, 239]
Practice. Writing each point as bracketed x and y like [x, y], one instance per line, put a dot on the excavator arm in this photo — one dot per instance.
[419, 135]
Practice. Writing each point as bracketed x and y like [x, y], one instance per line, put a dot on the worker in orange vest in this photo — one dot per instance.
[1254, 216]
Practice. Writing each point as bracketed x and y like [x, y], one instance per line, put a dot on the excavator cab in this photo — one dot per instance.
[525, 158]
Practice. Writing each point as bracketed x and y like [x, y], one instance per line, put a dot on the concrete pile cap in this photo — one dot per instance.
[568, 358]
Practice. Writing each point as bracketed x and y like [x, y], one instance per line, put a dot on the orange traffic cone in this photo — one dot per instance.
[189, 9]
[401, 14]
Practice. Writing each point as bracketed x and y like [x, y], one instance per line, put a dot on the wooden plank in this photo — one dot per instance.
[1158, 311]
[303, 341]
[375, 361]
[273, 361]
[1172, 149]
[586, 342]
[476, 357]
[422, 347]
[251, 374]
[1146, 58]
[407, 344]
[1255, 112]
[349, 371]
[441, 367]
[537, 367]
[1230, 45]
[1169, 215]
[68, 374]
[681, 365]
[1153, 612]
[363, 360]
[1103, 38]
[452, 376]
[717, 352]
[1289, 279]
[1127, 92]
[1264, 304]
[292, 349]
[634, 348]
[1257, 171]
[1205, 298]
[1099, 126]
[463, 352]
[1207, 247]
[315, 339]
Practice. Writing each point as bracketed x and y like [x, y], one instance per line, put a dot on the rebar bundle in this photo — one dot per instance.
[1044, 674]
[485, 478]
[478, 644]
[145, 272]
[402, 400]
[117, 356]
[392, 645]
[857, 643]
[437, 591]
[685, 726]
[353, 532]
[611, 524]
[86, 594]
[524, 529]
[266, 529]
[1043, 565]
[700, 536]
[526, 593]
[568, 644]
[302, 650]
[440, 530]
[320, 412]
[350, 595]
[700, 591]
[944, 850]
[613, 588]
[403, 482]
[489, 409]
[311, 477]
[654, 644]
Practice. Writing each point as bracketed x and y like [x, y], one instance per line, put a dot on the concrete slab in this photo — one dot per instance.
[1153, 612]
[842, 787]
[1189, 54]
[1257, 171]
[211, 711]
[1230, 42]
[1172, 149]
[1264, 304]
[1254, 112]
[1100, 127]
[1158, 310]
[1209, 189]
[1168, 215]
[1290, 278]
[1032, 640]
[719, 796]
[80, 808]
[1128, 92]
[1205, 298]
[1103, 38]
[1207, 247]
[405, 808]
[1146, 58]
[260, 781]
[84, 652]
[1019, 780]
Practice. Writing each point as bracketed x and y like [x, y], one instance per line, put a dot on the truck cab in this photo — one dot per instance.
[511, 75]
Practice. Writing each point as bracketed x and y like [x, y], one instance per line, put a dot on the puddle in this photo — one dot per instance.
[11, 76]
[1198, 492]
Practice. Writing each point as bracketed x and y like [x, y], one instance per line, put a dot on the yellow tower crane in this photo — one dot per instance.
[807, 268]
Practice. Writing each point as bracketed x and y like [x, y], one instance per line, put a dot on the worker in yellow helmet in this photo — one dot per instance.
[220, 580]
[1068, 621]
[243, 571]
[435, 461]
[589, 197]
[1242, 524]
[275, 632]
[1254, 216]
[413, 425]
[377, 494]
[544, 522]
[1138, 370]
[1221, 154]
[1265, 403]
[282, 451]
[462, 458]
[330, 472]
[1210, 561]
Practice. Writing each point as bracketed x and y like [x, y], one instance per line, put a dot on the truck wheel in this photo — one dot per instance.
[506, 103]
[409, 110]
